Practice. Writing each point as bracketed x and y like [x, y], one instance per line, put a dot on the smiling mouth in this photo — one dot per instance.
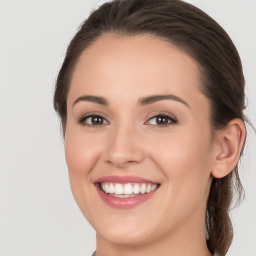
[125, 192]
[128, 189]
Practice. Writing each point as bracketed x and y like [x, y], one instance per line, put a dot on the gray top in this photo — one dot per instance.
[94, 254]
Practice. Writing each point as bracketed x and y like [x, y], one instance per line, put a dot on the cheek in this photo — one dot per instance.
[185, 159]
[81, 152]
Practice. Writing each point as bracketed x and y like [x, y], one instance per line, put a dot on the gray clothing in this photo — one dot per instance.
[94, 254]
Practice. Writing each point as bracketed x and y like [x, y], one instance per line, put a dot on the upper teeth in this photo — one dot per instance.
[128, 188]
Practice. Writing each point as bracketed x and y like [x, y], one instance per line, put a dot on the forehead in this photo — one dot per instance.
[136, 66]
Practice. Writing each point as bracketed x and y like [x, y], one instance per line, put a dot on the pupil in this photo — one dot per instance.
[97, 120]
[162, 120]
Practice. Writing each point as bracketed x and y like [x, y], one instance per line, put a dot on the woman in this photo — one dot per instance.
[151, 100]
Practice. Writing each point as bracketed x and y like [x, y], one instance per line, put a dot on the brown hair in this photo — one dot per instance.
[193, 31]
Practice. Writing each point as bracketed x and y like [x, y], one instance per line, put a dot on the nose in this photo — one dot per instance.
[123, 148]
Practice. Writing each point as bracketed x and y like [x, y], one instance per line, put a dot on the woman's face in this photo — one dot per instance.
[138, 127]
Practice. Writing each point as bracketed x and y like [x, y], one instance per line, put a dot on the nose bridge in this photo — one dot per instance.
[123, 147]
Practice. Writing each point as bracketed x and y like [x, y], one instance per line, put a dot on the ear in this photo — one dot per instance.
[230, 142]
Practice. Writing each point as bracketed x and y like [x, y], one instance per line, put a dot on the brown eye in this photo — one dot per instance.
[93, 120]
[97, 120]
[162, 120]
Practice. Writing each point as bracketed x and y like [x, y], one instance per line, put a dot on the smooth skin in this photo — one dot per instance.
[125, 137]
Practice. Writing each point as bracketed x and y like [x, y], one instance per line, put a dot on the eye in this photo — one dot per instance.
[162, 120]
[93, 120]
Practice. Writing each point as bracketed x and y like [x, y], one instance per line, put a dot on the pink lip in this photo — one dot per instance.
[123, 203]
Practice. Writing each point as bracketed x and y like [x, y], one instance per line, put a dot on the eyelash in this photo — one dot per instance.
[171, 120]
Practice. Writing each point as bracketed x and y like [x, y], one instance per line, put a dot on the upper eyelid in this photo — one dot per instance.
[162, 113]
[93, 113]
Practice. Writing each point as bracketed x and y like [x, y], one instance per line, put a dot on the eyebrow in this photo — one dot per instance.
[94, 99]
[154, 98]
[142, 101]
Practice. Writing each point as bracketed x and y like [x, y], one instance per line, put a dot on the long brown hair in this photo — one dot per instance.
[193, 31]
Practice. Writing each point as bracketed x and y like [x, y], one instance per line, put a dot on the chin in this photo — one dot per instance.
[126, 234]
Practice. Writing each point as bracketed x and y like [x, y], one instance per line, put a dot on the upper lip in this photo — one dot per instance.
[123, 179]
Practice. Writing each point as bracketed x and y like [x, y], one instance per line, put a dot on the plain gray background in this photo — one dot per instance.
[38, 215]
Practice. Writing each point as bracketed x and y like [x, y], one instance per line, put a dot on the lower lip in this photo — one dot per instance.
[124, 203]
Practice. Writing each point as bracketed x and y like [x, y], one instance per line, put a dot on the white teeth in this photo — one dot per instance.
[111, 188]
[123, 196]
[153, 187]
[127, 190]
[119, 190]
[107, 188]
[136, 189]
[143, 189]
[148, 189]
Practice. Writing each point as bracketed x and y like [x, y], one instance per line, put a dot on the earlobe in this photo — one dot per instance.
[231, 140]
